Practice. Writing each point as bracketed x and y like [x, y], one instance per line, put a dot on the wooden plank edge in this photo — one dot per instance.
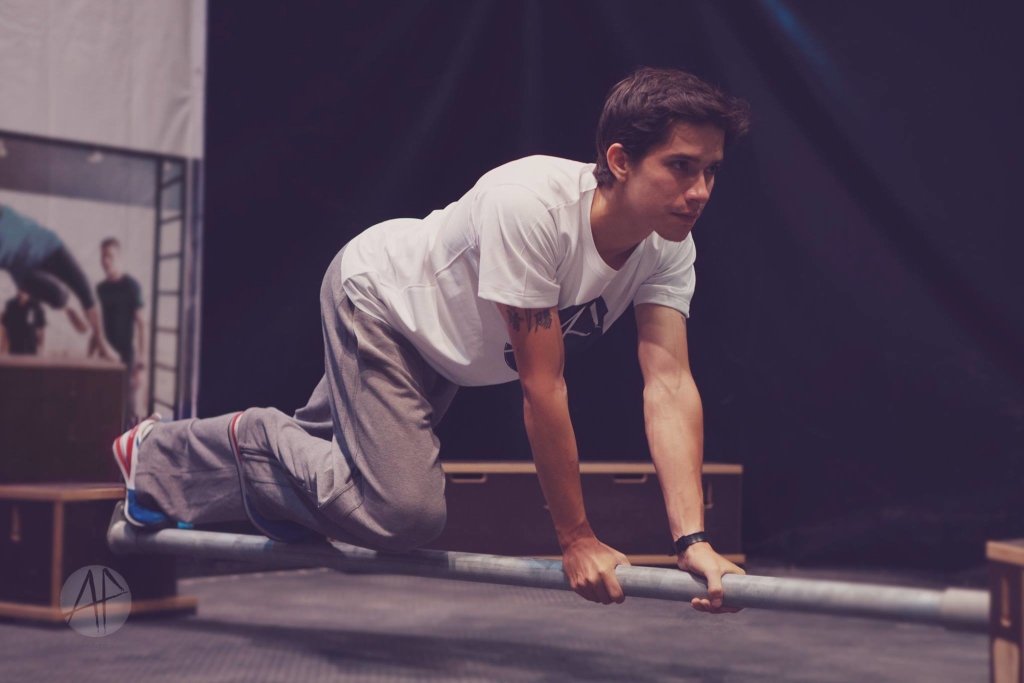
[658, 560]
[505, 467]
[1011, 552]
[170, 605]
[39, 492]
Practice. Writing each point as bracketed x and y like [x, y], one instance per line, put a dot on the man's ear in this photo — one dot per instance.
[618, 161]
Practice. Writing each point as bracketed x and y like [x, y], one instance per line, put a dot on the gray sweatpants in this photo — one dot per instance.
[358, 463]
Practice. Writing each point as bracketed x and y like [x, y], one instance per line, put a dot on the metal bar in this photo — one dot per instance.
[194, 227]
[167, 330]
[166, 367]
[163, 403]
[164, 257]
[171, 219]
[89, 147]
[157, 219]
[179, 351]
[953, 608]
[169, 292]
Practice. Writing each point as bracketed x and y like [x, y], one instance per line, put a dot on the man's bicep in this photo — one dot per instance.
[662, 346]
[536, 338]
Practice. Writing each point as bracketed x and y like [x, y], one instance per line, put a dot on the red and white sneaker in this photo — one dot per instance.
[126, 450]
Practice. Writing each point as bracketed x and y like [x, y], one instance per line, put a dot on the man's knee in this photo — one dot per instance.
[415, 523]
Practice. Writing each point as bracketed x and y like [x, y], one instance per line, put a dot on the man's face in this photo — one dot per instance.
[110, 257]
[668, 189]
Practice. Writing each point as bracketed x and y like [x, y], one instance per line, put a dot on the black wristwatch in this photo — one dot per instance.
[684, 542]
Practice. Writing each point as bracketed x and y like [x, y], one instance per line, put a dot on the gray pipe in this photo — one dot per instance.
[958, 609]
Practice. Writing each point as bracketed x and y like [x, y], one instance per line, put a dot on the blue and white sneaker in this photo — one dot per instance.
[282, 530]
[126, 449]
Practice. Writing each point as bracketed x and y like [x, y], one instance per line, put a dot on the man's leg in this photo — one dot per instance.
[62, 265]
[358, 463]
[377, 481]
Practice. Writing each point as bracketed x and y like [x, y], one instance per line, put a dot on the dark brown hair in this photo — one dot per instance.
[110, 242]
[641, 109]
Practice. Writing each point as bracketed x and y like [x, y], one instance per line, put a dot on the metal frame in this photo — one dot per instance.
[953, 608]
[163, 185]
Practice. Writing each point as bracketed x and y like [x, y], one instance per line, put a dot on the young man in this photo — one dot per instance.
[537, 259]
[22, 326]
[121, 299]
[40, 264]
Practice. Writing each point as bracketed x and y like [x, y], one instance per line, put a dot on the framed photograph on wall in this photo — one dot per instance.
[86, 225]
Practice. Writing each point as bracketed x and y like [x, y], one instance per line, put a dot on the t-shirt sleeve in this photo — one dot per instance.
[137, 295]
[672, 283]
[519, 252]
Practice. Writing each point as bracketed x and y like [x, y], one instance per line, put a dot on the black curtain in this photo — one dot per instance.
[856, 331]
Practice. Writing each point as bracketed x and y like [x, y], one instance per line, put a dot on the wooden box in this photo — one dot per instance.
[499, 508]
[59, 417]
[1006, 620]
[48, 531]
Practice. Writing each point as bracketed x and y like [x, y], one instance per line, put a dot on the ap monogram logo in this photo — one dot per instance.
[95, 601]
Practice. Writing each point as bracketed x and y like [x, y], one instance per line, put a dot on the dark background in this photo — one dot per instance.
[856, 331]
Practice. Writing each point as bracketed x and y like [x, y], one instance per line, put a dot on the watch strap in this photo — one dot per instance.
[684, 542]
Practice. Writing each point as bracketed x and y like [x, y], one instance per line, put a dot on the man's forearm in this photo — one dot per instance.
[675, 434]
[140, 337]
[553, 442]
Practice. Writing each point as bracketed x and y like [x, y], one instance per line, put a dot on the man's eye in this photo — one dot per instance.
[712, 170]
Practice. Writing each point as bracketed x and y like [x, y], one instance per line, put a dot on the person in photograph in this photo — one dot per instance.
[121, 300]
[22, 326]
[41, 265]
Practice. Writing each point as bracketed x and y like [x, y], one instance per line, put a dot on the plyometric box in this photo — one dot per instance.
[49, 531]
[498, 508]
[58, 418]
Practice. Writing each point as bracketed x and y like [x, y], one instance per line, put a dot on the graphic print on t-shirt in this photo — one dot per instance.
[582, 326]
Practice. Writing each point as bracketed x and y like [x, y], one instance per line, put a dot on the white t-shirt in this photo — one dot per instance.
[521, 236]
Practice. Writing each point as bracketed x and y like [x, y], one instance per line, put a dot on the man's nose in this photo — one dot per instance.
[699, 190]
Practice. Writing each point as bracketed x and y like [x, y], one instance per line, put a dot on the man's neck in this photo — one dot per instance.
[616, 234]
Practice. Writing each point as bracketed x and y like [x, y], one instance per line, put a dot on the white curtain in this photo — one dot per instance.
[125, 73]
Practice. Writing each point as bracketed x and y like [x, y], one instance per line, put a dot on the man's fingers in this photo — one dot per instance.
[614, 589]
[601, 590]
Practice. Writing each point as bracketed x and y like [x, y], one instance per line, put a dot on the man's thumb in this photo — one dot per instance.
[715, 591]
